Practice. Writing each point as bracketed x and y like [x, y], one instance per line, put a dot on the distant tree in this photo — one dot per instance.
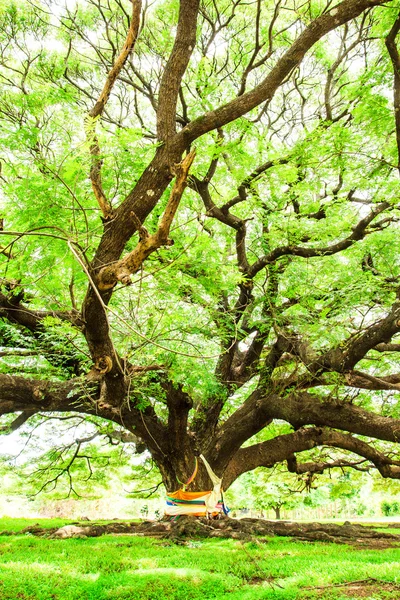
[390, 509]
[200, 243]
[262, 490]
[275, 496]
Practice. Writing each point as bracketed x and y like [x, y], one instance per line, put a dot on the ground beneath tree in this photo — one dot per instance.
[186, 528]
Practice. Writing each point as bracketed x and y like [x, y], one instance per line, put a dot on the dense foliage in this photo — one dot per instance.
[253, 316]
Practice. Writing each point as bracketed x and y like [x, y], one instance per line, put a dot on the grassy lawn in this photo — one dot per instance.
[8, 524]
[138, 568]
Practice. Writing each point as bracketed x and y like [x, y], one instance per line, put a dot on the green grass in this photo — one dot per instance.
[9, 524]
[137, 568]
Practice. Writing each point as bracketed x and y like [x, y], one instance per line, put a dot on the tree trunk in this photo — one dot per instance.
[277, 510]
[178, 468]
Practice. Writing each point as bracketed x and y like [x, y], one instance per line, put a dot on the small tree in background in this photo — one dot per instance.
[390, 509]
[277, 495]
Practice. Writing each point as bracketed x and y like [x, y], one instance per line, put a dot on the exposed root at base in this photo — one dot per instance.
[185, 528]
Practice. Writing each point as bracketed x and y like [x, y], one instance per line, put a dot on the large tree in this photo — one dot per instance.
[199, 229]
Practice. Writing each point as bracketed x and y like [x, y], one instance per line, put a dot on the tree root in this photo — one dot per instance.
[240, 529]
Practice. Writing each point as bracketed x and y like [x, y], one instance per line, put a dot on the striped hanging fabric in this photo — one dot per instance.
[197, 504]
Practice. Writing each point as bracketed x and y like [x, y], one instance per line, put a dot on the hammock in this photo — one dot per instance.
[197, 504]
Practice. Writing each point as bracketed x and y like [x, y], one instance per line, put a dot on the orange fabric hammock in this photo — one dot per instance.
[197, 504]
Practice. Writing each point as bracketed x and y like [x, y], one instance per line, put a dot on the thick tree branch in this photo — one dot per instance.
[281, 448]
[299, 409]
[18, 394]
[15, 312]
[124, 268]
[356, 379]
[178, 61]
[366, 381]
[344, 359]
[179, 404]
[340, 14]
[306, 409]
[387, 347]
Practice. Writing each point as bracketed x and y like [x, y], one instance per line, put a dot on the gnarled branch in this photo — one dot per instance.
[122, 270]
[284, 447]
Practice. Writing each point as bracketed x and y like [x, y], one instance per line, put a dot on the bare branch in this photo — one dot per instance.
[359, 232]
[96, 112]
